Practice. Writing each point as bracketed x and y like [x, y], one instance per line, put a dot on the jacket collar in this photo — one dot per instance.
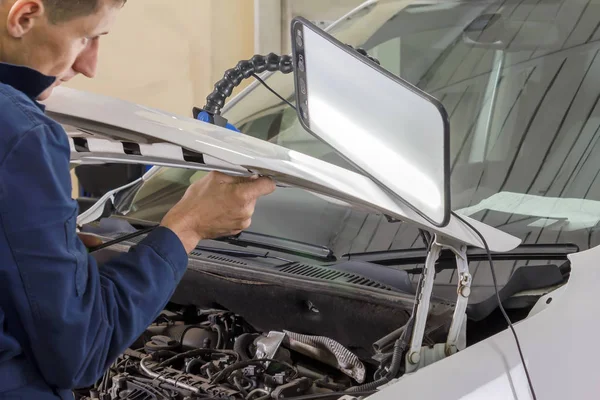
[26, 80]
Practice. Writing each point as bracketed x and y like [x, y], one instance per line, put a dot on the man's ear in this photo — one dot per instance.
[22, 16]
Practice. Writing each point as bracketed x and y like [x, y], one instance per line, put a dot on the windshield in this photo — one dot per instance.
[525, 122]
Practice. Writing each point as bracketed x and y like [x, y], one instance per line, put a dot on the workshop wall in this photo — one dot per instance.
[168, 54]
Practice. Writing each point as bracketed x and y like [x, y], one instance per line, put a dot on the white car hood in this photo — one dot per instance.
[103, 129]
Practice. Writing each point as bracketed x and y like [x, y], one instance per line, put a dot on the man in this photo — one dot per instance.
[64, 320]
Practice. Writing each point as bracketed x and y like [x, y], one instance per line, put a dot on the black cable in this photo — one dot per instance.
[224, 374]
[243, 70]
[196, 353]
[258, 78]
[506, 317]
[122, 239]
[427, 238]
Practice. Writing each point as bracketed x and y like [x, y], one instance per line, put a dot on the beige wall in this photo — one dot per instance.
[168, 54]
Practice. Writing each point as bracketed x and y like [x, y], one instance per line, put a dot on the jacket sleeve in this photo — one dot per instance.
[78, 317]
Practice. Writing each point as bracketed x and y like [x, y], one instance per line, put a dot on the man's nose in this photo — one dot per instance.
[87, 62]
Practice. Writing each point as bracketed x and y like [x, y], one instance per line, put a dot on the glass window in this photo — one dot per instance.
[522, 96]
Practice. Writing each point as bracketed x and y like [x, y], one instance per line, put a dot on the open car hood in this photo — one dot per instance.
[107, 130]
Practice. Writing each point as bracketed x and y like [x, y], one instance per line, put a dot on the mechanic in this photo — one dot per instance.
[63, 319]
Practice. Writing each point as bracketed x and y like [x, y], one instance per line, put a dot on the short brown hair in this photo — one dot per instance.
[64, 10]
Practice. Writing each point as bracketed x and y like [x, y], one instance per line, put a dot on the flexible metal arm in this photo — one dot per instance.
[244, 70]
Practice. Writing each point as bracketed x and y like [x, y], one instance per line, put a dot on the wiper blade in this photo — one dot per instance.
[526, 252]
[246, 239]
[239, 253]
[288, 246]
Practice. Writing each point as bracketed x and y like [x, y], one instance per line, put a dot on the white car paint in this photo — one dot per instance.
[95, 212]
[557, 341]
[106, 117]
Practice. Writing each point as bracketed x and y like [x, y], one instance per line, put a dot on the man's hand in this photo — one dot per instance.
[90, 241]
[215, 206]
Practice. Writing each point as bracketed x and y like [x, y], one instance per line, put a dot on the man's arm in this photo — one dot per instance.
[79, 317]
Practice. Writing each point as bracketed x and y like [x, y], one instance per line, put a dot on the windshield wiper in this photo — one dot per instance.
[239, 253]
[526, 252]
[245, 239]
[267, 242]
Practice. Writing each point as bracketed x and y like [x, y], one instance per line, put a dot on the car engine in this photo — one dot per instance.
[216, 354]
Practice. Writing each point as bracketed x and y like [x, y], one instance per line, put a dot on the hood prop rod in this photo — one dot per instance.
[418, 356]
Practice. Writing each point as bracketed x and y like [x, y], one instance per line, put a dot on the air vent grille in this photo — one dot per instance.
[196, 253]
[328, 274]
[219, 258]
[225, 259]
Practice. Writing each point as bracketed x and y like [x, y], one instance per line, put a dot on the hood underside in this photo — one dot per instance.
[107, 130]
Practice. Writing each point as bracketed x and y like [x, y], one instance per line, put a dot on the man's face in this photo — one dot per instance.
[62, 50]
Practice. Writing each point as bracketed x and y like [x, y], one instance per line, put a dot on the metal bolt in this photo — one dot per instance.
[465, 291]
[465, 278]
[414, 358]
[451, 350]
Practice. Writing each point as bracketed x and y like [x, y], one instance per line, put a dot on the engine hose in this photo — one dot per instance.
[382, 344]
[220, 336]
[223, 374]
[148, 371]
[134, 353]
[196, 353]
[193, 363]
[398, 355]
[400, 347]
[242, 343]
[255, 391]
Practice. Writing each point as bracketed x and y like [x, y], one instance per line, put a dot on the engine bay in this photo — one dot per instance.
[235, 330]
[194, 353]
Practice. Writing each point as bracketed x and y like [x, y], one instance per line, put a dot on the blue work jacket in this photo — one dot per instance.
[63, 318]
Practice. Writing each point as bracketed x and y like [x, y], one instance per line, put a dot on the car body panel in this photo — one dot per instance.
[112, 123]
[561, 362]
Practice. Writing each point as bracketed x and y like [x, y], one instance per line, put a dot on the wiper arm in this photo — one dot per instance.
[274, 243]
[526, 252]
[246, 239]
[240, 253]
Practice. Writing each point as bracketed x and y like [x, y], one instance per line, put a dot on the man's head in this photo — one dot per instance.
[58, 38]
